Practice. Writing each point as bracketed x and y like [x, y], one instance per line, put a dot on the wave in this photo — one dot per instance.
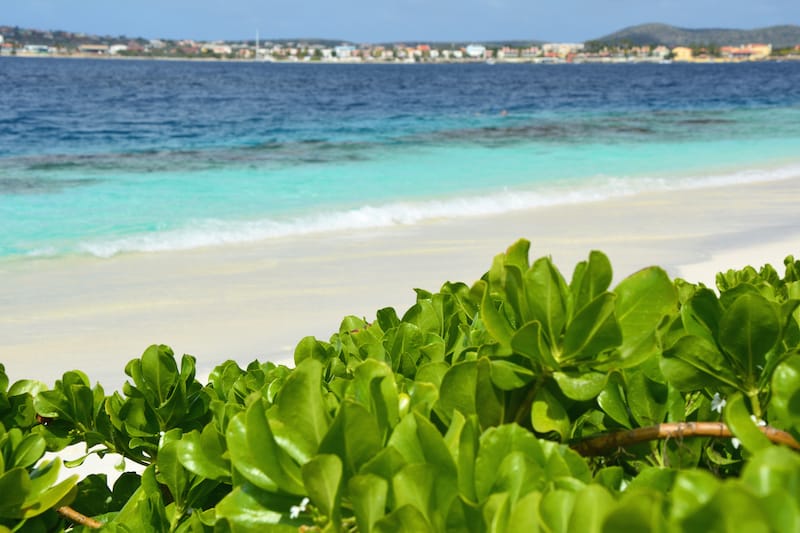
[215, 232]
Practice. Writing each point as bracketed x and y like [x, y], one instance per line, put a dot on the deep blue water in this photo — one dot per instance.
[104, 157]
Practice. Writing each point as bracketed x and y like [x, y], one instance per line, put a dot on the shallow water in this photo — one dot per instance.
[106, 157]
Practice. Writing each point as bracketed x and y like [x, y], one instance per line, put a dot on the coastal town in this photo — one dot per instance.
[34, 43]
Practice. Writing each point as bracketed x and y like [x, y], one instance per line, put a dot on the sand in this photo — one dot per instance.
[255, 301]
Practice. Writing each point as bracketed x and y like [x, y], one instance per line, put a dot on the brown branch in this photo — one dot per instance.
[604, 443]
[74, 516]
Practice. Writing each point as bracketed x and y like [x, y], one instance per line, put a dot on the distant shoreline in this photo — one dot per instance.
[631, 61]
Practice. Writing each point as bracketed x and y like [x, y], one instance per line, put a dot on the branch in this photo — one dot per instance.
[604, 443]
[74, 516]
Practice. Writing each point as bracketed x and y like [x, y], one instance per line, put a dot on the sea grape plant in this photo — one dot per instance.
[521, 402]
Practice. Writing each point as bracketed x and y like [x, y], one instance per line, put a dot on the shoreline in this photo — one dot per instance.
[394, 62]
[403, 212]
[257, 300]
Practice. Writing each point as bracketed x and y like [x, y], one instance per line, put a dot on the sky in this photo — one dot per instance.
[388, 20]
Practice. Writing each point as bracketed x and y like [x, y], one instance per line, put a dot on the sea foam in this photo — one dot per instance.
[215, 232]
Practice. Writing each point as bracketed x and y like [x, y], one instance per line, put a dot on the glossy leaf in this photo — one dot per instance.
[693, 363]
[590, 279]
[785, 400]
[547, 298]
[643, 300]
[548, 414]
[743, 426]
[593, 330]
[322, 477]
[257, 456]
[748, 330]
[581, 386]
[368, 494]
[300, 398]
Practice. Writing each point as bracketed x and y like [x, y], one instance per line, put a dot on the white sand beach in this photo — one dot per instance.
[256, 301]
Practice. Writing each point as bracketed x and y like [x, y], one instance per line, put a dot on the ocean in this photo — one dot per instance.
[102, 157]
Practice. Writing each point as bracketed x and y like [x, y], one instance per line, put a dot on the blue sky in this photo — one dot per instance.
[389, 20]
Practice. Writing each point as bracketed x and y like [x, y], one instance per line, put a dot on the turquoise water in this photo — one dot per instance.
[103, 158]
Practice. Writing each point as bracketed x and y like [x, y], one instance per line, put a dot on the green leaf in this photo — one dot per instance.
[691, 490]
[581, 386]
[701, 315]
[205, 454]
[368, 494]
[15, 484]
[373, 386]
[300, 398]
[555, 509]
[647, 399]
[311, 348]
[643, 300]
[248, 509]
[354, 436]
[30, 449]
[496, 324]
[547, 414]
[529, 341]
[693, 363]
[748, 330]
[525, 513]
[637, 511]
[773, 470]
[547, 298]
[496, 511]
[593, 330]
[785, 401]
[256, 454]
[413, 486]
[518, 475]
[322, 477]
[590, 508]
[590, 279]
[612, 401]
[93, 495]
[517, 254]
[495, 445]
[403, 520]
[742, 426]
[467, 387]
[509, 376]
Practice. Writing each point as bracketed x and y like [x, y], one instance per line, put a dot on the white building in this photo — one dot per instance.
[344, 51]
[475, 50]
[36, 49]
[115, 49]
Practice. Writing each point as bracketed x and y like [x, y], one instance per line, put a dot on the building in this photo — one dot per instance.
[681, 53]
[746, 52]
[475, 50]
[661, 51]
[96, 49]
[38, 49]
[345, 51]
[561, 49]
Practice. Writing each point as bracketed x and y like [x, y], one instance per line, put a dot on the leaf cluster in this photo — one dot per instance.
[463, 414]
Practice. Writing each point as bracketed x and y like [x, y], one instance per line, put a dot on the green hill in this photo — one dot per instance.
[779, 36]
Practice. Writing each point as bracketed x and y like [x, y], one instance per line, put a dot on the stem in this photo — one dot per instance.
[755, 404]
[74, 516]
[603, 444]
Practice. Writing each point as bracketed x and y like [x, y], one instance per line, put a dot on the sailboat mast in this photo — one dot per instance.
[255, 56]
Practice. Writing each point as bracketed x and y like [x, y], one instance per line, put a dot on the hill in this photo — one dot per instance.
[779, 36]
